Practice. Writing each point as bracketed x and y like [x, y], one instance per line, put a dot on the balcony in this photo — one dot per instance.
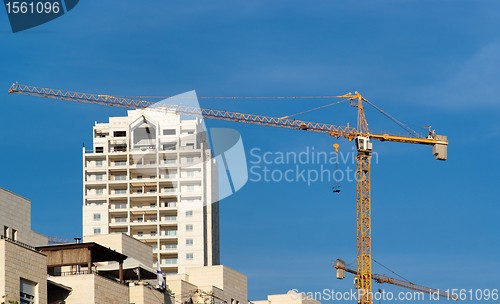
[145, 236]
[118, 224]
[168, 262]
[168, 233]
[148, 147]
[168, 219]
[169, 162]
[118, 207]
[169, 190]
[168, 205]
[170, 248]
[94, 181]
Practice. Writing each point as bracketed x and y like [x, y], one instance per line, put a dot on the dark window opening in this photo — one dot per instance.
[120, 148]
[169, 132]
[120, 133]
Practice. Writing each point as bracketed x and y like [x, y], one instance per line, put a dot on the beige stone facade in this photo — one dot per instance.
[15, 219]
[219, 283]
[91, 288]
[124, 244]
[20, 264]
[144, 294]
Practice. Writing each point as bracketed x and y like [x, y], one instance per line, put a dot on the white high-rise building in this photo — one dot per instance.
[151, 175]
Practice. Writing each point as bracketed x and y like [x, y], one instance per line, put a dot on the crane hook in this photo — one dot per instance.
[336, 147]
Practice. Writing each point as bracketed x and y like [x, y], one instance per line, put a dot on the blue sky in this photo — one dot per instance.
[425, 62]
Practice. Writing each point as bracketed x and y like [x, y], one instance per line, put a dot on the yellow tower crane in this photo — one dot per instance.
[361, 135]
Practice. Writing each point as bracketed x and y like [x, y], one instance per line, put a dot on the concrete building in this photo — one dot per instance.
[125, 244]
[97, 273]
[77, 273]
[23, 274]
[209, 284]
[15, 219]
[150, 175]
[292, 297]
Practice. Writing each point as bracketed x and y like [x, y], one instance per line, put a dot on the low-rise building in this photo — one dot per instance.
[15, 219]
[291, 297]
[23, 274]
[219, 284]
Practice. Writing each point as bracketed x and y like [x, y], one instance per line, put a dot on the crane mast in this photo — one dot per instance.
[363, 204]
[361, 135]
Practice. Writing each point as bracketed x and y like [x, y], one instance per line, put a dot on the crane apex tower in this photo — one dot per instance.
[151, 175]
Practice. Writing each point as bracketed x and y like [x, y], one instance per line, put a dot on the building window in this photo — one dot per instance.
[120, 220]
[121, 177]
[97, 216]
[190, 188]
[140, 233]
[98, 163]
[189, 213]
[119, 133]
[168, 189]
[99, 191]
[152, 233]
[189, 160]
[169, 146]
[121, 206]
[27, 291]
[170, 204]
[169, 132]
[120, 148]
[170, 232]
[189, 227]
[169, 261]
[120, 163]
[189, 242]
[99, 177]
[99, 149]
[6, 231]
[97, 230]
[189, 256]
[190, 173]
[120, 191]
